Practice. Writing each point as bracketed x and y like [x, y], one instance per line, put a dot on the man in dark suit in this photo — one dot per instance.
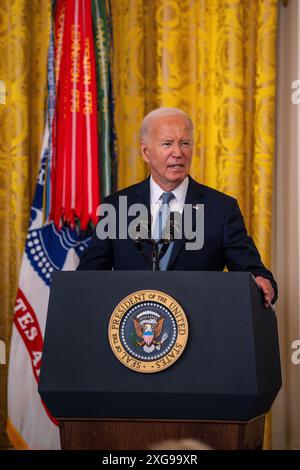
[166, 142]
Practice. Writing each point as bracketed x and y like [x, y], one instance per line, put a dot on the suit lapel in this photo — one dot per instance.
[142, 196]
[193, 197]
[142, 192]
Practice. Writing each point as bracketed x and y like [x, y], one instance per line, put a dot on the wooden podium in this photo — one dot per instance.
[218, 391]
[140, 435]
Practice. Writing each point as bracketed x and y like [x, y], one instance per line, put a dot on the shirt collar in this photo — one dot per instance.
[179, 192]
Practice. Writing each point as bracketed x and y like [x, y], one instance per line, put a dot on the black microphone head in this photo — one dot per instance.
[140, 230]
[144, 228]
[177, 224]
[172, 229]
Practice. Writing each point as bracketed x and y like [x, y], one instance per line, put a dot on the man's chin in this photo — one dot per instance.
[176, 180]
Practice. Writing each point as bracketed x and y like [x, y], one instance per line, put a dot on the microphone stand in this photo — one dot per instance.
[139, 244]
[159, 251]
[159, 247]
[144, 235]
[156, 252]
[155, 255]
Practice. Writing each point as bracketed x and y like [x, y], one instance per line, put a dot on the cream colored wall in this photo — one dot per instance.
[286, 253]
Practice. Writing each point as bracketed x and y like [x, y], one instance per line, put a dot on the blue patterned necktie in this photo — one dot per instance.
[162, 217]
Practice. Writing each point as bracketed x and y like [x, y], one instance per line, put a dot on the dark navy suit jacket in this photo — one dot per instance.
[226, 242]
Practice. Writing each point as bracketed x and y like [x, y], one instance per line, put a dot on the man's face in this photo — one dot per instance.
[168, 149]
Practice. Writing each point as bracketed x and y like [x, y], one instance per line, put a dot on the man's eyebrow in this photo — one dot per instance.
[171, 139]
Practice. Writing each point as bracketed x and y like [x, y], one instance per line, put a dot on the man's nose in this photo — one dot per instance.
[176, 150]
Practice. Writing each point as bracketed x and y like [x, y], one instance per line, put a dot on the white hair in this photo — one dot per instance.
[161, 113]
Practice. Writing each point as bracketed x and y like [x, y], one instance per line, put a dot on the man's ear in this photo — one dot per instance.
[145, 151]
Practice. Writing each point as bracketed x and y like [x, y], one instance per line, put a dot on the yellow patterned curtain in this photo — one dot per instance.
[24, 37]
[216, 60]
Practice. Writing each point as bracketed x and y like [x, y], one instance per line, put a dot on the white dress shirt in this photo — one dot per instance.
[176, 204]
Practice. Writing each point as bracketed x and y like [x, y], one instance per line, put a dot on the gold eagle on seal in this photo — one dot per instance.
[149, 332]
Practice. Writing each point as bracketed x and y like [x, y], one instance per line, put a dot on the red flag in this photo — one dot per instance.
[75, 170]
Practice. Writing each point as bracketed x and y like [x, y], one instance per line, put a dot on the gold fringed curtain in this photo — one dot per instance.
[24, 37]
[216, 59]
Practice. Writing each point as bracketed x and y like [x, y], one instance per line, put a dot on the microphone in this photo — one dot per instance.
[172, 231]
[140, 232]
[173, 228]
[144, 229]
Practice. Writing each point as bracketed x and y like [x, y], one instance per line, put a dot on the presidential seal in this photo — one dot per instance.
[148, 331]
